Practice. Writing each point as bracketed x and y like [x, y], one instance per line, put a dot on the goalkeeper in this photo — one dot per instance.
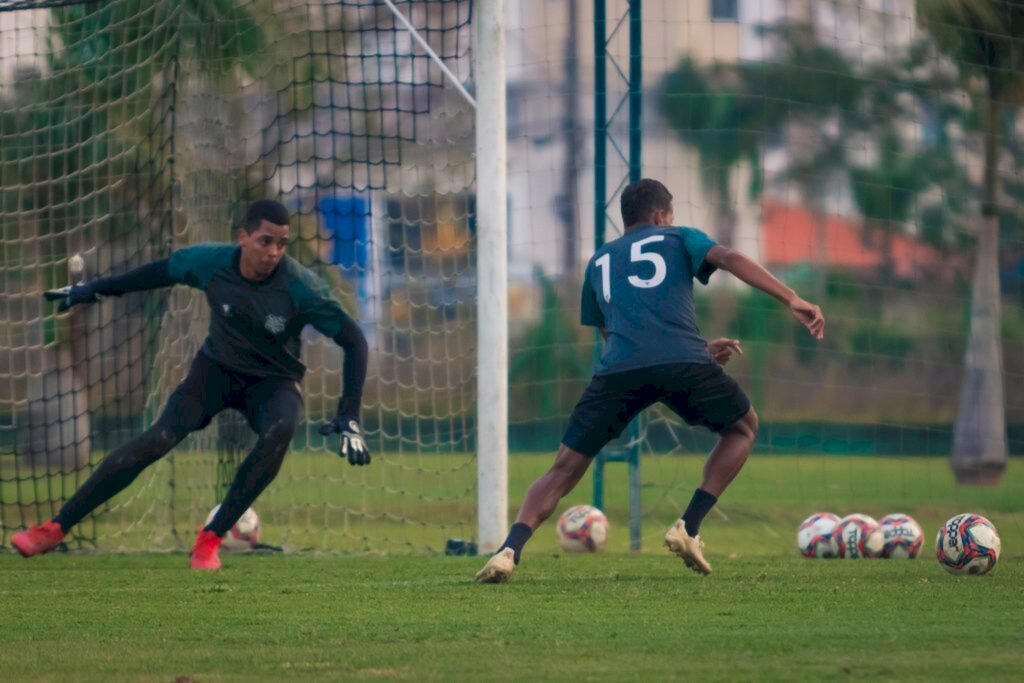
[638, 290]
[260, 300]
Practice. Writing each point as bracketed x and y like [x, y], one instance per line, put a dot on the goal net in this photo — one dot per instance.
[841, 144]
[129, 129]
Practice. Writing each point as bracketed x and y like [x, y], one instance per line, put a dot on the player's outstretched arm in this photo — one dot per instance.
[351, 444]
[150, 276]
[72, 295]
[755, 275]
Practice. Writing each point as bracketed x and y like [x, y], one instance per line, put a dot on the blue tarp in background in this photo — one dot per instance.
[347, 219]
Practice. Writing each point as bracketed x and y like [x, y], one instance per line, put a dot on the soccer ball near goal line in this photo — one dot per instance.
[816, 535]
[968, 544]
[244, 534]
[582, 528]
[903, 536]
[859, 535]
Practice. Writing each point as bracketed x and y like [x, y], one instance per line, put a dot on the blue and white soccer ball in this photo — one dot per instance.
[903, 536]
[816, 535]
[859, 535]
[244, 534]
[582, 528]
[968, 544]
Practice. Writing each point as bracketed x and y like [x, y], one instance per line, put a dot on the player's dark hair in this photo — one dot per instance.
[641, 199]
[264, 209]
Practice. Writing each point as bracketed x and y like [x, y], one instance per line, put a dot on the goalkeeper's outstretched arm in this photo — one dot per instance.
[150, 276]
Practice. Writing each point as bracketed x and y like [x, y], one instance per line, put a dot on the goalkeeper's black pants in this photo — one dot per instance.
[272, 406]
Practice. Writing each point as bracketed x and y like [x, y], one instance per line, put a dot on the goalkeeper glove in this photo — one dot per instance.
[72, 295]
[351, 445]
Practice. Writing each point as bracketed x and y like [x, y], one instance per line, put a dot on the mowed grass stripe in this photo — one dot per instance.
[602, 617]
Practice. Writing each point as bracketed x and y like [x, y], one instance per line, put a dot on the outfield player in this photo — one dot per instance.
[638, 291]
[260, 300]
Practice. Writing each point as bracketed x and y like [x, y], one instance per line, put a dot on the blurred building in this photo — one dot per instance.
[548, 96]
[23, 46]
[789, 232]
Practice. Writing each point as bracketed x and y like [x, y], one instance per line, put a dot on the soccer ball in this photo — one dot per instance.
[815, 537]
[582, 528]
[859, 535]
[968, 544]
[903, 536]
[243, 534]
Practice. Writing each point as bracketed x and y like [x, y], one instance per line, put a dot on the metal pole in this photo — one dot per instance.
[430, 51]
[636, 83]
[600, 180]
[636, 88]
[600, 121]
[492, 277]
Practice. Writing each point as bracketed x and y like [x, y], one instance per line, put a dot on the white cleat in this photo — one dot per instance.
[498, 568]
[689, 548]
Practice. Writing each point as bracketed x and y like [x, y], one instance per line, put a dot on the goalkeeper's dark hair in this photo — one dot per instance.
[641, 199]
[261, 210]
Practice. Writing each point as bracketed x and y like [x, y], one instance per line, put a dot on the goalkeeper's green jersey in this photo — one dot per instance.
[256, 326]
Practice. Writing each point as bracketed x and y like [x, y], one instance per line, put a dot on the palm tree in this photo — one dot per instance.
[982, 39]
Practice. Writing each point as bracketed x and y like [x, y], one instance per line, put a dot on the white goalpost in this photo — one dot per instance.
[492, 262]
[492, 277]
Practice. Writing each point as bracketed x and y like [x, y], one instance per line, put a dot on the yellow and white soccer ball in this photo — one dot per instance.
[244, 534]
[582, 528]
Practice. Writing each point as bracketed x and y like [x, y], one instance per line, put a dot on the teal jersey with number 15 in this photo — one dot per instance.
[639, 288]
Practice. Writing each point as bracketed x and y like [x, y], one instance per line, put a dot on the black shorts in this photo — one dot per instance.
[210, 388]
[700, 393]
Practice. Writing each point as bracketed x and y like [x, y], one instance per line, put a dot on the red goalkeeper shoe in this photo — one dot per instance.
[38, 539]
[204, 553]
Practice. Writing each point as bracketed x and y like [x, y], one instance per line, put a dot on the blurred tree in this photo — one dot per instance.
[722, 123]
[548, 367]
[982, 37]
[811, 94]
[885, 193]
[800, 87]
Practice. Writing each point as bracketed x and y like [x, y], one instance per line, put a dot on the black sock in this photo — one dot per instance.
[518, 535]
[699, 507]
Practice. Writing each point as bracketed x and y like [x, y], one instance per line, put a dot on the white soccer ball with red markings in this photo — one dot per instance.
[816, 535]
[903, 536]
[582, 528]
[859, 535]
[968, 544]
[244, 534]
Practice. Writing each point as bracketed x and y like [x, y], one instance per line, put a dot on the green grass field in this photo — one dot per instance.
[607, 617]
[765, 614]
[413, 503]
